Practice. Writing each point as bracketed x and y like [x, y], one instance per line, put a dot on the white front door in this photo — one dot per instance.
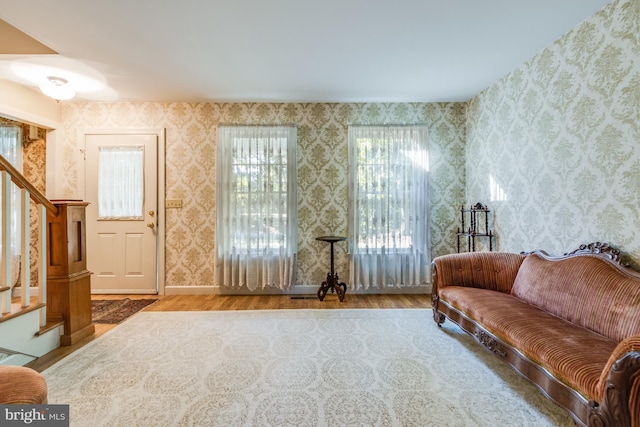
[121, 188]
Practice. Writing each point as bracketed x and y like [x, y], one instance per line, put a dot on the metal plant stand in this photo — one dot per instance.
[332, 283]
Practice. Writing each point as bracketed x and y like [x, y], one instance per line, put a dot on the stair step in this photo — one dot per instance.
[49, 326]
[17, 309]
[17, 359]
[22, 333]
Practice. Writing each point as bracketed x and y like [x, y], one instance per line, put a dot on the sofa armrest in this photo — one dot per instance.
[488, 270]
[619, 386]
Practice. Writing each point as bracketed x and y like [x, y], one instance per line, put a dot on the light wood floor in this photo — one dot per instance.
[241, 302]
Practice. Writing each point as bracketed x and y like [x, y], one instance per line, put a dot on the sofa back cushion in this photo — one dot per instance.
[586, 290]
[495, 271]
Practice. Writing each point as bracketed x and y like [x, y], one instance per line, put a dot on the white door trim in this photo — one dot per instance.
[161, 227]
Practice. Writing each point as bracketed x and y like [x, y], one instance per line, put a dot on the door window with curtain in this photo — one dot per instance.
[11, 149]
[120, 182]
[256, 206]
[388, 207]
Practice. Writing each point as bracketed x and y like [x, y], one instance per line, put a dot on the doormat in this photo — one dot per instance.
[115, 311]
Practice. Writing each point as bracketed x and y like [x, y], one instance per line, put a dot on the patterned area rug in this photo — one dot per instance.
[370, 367]
[115, 311]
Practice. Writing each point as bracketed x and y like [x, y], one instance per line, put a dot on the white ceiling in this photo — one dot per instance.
[287, 50]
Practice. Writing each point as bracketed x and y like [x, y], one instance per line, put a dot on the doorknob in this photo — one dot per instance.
[152, 213]
[151, 225]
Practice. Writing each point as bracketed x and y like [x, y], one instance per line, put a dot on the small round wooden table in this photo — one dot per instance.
[332, 277]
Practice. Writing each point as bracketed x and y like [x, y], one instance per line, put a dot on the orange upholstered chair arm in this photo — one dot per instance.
[488, 270]
[21, 385]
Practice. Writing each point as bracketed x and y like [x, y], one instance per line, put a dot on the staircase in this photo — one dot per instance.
[25, 333]
[22, 339]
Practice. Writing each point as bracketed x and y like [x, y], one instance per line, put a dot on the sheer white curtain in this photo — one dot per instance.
[256, 206]
[389, 207]
[120, 182]
[11, 149]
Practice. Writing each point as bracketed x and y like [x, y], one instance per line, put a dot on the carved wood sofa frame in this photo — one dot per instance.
[623, 379]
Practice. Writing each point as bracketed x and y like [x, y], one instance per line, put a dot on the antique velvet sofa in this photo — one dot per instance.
[569, 324]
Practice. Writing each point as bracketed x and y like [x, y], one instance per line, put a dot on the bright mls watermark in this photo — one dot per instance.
[34, 415]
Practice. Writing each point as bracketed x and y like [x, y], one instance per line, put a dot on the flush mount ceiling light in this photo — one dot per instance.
[57, 88]
[37, 70]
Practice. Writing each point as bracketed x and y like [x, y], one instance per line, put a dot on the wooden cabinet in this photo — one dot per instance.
[474, 226]
[68, 280]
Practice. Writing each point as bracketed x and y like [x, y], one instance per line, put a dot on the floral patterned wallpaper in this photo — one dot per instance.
[322, 170]
[554, 146]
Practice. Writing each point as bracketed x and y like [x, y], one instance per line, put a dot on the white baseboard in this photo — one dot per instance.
[295, 290]
[122, 291]
[189, 290]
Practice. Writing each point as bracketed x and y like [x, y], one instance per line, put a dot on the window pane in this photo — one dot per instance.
[388, 215]
[120, 182]
[10, 144]
[11, 149]
[389, 182]
[259, 170]
[256, 205]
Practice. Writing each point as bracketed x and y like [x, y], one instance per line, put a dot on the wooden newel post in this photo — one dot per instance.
[68, 280]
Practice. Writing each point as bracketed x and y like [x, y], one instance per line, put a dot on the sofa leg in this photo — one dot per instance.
[438, 317]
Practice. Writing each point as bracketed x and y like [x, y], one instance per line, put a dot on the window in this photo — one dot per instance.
[256, 206]
[11, 149]
[388, 217]
[120, 182]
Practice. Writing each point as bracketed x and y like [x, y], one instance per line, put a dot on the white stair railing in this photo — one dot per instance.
[12, 177]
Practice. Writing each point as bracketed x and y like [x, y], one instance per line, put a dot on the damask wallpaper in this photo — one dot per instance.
[554, 146]
[34, 169]
[322, 170]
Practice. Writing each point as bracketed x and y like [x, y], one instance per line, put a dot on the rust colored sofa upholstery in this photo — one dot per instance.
[569, 324]
[21, 385]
